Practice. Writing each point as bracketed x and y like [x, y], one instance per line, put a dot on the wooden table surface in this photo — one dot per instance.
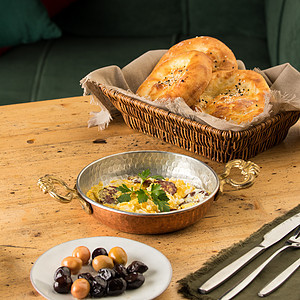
[53, 137]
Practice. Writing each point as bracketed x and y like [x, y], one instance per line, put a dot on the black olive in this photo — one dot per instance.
[116, 286]
[97, 284]
[134, 280]
[62, 284]
[62, 271]
[137, 266]
[99, 251]
[107, 274]
[98, 287]
[121, 271]
[88, 276]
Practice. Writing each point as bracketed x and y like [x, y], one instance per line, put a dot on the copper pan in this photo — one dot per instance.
[166, 164]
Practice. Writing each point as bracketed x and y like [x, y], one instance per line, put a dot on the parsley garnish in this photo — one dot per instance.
[158, 195]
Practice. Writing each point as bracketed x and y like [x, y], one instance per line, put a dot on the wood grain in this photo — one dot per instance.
[53, 137]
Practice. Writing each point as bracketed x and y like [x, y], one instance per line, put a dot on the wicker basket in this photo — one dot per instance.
[215, 144]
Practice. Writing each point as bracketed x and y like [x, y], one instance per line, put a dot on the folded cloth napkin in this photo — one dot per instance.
[284, 82]
[188, 286]
[126, 80]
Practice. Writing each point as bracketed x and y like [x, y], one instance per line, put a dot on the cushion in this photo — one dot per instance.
[119, 18]
[283, 27]
[289, 39]
[273, 20]
[53, 69]
[18, 67]
[25, 22]
[3, 49]
[235, 17]
[56, 6]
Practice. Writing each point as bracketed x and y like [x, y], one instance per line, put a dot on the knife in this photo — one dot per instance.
[280, 279]
[269, 239]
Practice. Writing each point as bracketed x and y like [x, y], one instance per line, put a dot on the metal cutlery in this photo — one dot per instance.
[269, 239]
[280, 279]
[293, 241]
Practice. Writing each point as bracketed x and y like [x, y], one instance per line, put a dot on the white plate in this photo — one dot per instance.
[157, 278]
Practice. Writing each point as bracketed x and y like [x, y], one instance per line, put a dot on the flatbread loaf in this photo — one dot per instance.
[185, 75]
[237, 96]
[221, 56]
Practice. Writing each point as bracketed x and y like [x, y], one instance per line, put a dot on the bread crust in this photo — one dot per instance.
[185, 75]
[221, 56]
[237, 96]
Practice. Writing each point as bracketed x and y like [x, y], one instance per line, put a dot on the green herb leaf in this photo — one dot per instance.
[163, 196]
[157, 194]
[158, 177]
[155, 187]
[160, 197]
[155, 190]
[142, 196]
[145, 174]
[163, 206]
[123, 188]
[124, 198]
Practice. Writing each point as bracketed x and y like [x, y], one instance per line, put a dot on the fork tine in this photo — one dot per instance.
[295, 235]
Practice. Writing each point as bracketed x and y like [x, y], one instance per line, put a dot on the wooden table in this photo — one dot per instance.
[53, 137]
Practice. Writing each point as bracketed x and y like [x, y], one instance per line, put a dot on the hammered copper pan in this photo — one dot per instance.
[161, 163]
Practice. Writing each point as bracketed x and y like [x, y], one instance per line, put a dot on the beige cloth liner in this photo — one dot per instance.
[284, 81]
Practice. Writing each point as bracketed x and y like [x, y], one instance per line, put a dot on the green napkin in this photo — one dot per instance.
[289, 290]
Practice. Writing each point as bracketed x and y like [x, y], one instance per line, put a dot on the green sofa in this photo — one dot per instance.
[46, 50]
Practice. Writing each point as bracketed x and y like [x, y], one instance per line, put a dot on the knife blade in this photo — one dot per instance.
[269, 239]
[280, 279]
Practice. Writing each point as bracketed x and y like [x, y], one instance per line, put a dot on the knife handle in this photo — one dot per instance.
[280, 279]
[229, 270]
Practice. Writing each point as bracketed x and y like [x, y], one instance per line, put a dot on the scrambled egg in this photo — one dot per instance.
[186, 195]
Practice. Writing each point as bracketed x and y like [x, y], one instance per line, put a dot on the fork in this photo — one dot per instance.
[293, 241]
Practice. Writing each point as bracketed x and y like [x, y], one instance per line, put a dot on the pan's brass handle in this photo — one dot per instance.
[47, 184]
[249, 169]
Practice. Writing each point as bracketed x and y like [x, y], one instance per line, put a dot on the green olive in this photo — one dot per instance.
[83, 253]
[73, 263]
[80, 288]
[102, 261]
[118, 255]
